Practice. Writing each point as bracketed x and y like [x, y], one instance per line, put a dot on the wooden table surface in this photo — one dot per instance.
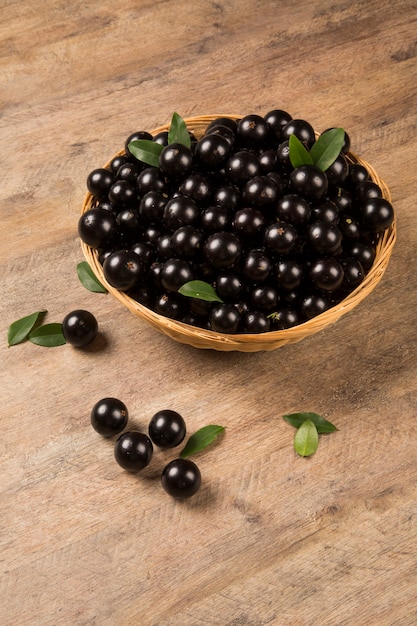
[271, 538]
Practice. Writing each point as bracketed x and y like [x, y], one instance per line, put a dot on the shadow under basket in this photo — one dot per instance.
[206, 339]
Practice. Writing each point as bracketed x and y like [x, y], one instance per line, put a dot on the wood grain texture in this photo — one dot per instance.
[271, 538]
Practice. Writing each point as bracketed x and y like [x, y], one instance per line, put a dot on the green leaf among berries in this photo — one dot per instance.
[146, 150]
[327, 148]
[178, 131]
[299, 155]
[199, 289]
[201, 439]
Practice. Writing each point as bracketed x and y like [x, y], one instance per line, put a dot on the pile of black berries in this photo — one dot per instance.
[278, 244]
[133, 450]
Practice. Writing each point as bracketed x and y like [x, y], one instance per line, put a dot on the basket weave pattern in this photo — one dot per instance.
[206, 339]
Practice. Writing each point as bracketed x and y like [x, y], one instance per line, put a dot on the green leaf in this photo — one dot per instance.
[178, 131]
[201, 439]
[327, 148]
[299, 155]
[146, 150]
[322, 425]
[88, 279]
[49, 335]
[306, 439]
[199, 289]
[19, 330]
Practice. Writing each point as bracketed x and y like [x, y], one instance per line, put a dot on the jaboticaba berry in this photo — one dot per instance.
[278, 244]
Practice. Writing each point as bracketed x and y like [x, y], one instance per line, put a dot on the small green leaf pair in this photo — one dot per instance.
[323, 153]
[148, 151]
[201, 439]
[309, 426]
[28, 327]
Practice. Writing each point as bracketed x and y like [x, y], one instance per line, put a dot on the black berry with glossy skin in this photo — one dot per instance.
[169, 305]
[123, 269]
[226, 196]
[214, 218]
[242, 166]
[109, 416]
[248, 223]
[256, 322]
[276, 120]
[151, 179]
[167, 429]
[128, 223]
[353, 273]
[326, 274]
[314, 304]
[186, 241]
[122, 194]
[326, 211]
[256, 266]
[288, 274]
[229, 286]
[176, 160]
[225, 318]
[377, 214]
[260, 192]
[79, 328]
[180, 211]
[97, 227]
[212, 150]
[324, 237]
[301, 129]
[280, 237]
[222, 121]
[336, 173]
[309, 181]
[175, 273]
[293, 208]
[197, 187]
[133, 451]
[253, 131]
[99, 182]
[222, 249]
[151, 207]
[181, 478]
[364, 253]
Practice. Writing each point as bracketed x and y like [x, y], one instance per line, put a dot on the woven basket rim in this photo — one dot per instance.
[201, 338]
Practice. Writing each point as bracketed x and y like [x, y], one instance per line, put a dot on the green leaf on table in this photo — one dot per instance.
[201, 439]
[322, 425]
[19, 330]
[178, 131]
[199, 289]
[327, 148]
[299, 155]
[306, 439]
[146, 150]
[48, 335]
[88, 279]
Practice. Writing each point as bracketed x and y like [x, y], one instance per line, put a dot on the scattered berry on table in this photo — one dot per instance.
[109, 416]
[79, 328]
[181, 478]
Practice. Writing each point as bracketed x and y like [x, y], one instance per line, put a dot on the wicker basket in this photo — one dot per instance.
[200, 338]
